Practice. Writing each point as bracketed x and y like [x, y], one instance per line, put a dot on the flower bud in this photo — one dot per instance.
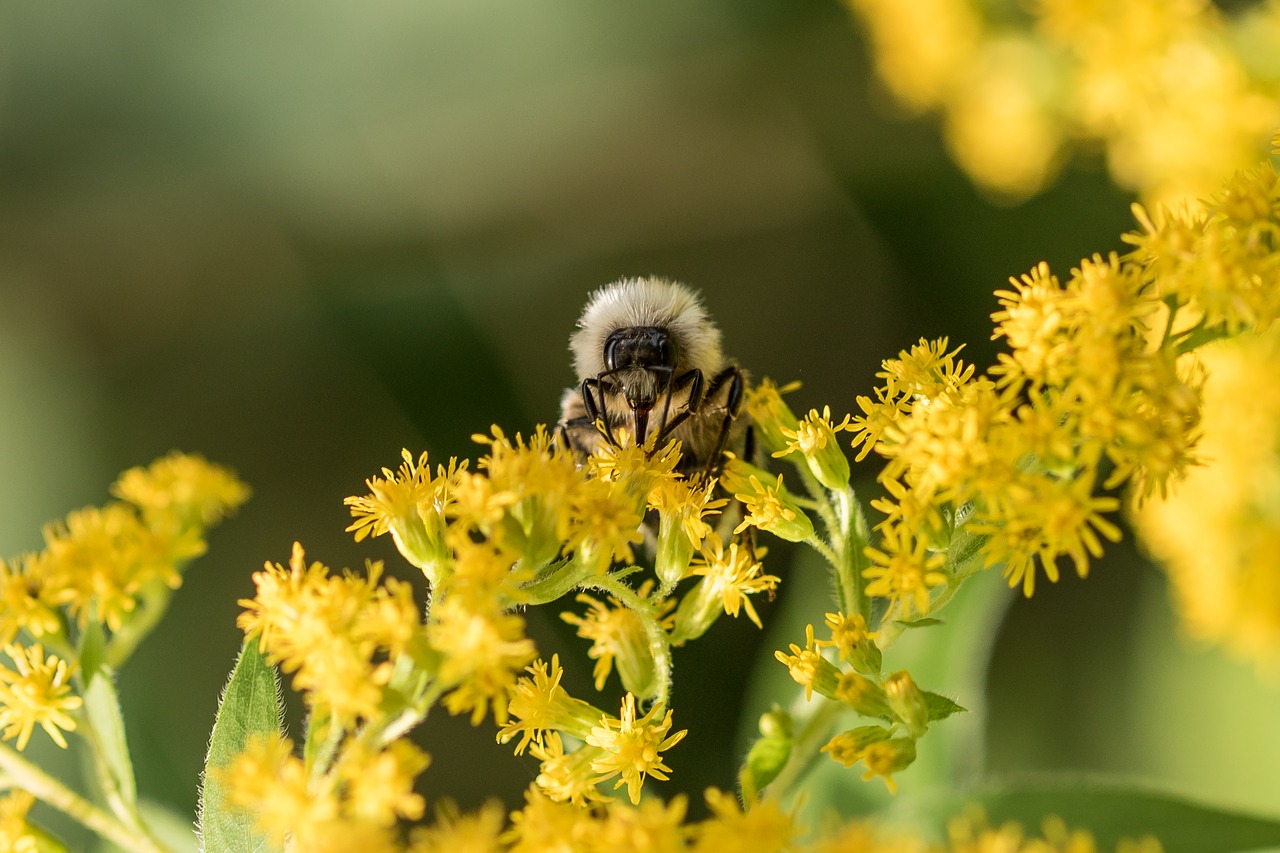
[862, 695]
[771, 415]
[768, 755]
[815, 438]
[771, 508]
[809, 668]
[907, 702]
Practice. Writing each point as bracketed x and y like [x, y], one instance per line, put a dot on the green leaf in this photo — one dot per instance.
[923, 622]
[940, 707]
[112, 761]
[1113, 810]
[250, 706]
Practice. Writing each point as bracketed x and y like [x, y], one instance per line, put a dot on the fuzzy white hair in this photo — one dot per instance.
[649, 301]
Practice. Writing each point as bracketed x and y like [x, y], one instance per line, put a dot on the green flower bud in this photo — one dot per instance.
[907, 702]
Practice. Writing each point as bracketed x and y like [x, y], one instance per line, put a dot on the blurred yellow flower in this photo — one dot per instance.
[38, 692]
[1217, 533]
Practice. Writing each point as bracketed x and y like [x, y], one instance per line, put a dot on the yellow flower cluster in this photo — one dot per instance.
[1094, 391]
[527, 524]
[547, 826]
[339, 635]
[854, 679]
[1178, 93]
[355, 805]
[1217, 533]
[626, 747]
[112, 567]
[15, 834]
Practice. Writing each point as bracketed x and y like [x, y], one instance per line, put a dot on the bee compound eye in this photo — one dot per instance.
[612, 345]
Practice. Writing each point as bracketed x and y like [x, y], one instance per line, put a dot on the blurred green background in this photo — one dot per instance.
[297, 237]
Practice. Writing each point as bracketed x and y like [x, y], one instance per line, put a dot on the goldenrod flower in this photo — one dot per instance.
[771, 508]
[809, 668]
[545, 825]
[567, 777]
[1217, 532]
[267, 781]
[762, 828]
[729, 577]
[631, 747]
[907, 702]
[651, 827]
[39, 693]
[862, 695]
[377, 785]
[874, 746]
[478, 832]
[410, 504]
[15, 833]
[682, 509]
[617, 633]
[815, 439]
[922, 48]
[877, 416]
[476, 504]
[1046, 517]
[606, 523]
[181, 491]
[483, 649]
[98, 561]
[546, 481]
[904, 572]
[1169, 91]
[770, 413]
[928, 370]
[540, 705]
[1031, 318]
[338, 634]
[484, 570]
[25, 600]
[853, 642]
[636, 468]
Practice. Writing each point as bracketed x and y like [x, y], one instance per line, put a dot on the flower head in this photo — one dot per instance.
[632, 747]
[38, 692]
[815, 439]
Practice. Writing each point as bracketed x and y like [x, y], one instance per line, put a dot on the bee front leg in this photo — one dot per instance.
[729, 379]
[596, 407]
[693, 379]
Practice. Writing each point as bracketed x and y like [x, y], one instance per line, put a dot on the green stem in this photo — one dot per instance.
[658, 640]
[851, 539]
[49, 790]
[558, 583]
[123, 643]
[828, 553]
[815, 719]
[124, 806]
[1197, 337]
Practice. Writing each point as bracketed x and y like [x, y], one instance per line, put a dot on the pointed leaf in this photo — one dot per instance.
[940, 707]
[113, 764]
[1114, 810]
[922, 622]
[250, 705]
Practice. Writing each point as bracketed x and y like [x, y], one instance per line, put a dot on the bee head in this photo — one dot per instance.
[645, 324]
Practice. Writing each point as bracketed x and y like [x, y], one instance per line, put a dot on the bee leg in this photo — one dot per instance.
[693, 379]
[596, 411]
[731, 379]
[579, 435]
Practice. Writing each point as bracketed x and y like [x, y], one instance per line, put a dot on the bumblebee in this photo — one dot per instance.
[649, 363]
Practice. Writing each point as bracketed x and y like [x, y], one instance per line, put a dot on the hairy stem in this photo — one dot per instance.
[53, 792]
